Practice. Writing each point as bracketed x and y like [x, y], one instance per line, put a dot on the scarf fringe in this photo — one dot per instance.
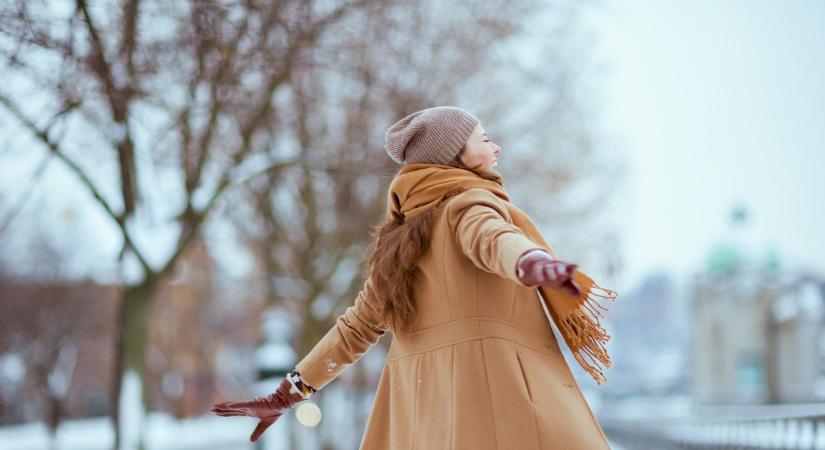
[586, 337]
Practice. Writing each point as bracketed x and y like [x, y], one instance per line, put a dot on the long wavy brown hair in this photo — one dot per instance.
[397, 246]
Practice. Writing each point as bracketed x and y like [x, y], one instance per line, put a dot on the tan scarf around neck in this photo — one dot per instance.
[420, 186]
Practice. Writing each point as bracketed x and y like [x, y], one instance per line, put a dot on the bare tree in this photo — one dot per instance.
[156, 108]
[44, 325]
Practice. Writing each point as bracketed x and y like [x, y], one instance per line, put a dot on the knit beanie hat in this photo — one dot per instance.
[432, 135]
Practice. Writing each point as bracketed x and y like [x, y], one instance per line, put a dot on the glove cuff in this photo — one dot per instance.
[299, 385]
[530, 255]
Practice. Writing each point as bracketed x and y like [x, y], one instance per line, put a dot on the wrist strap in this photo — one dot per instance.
[305, 389]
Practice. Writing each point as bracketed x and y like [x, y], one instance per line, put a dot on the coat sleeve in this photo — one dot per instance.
[482, 227]
[355, 331]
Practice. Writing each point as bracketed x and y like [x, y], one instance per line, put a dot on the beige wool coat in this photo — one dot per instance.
[481, 369]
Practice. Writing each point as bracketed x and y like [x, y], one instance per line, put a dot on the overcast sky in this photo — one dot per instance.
[715, 103]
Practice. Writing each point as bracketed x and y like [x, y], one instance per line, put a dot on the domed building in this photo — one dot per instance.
[758, 328]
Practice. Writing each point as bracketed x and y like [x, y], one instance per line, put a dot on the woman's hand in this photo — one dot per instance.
[268, 409]
[539, 268]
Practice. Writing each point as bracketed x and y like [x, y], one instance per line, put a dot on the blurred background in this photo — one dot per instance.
[187, 190]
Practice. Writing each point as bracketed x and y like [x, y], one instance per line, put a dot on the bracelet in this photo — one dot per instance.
[305, 389]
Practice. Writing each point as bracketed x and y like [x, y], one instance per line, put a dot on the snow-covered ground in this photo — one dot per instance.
[163, 432]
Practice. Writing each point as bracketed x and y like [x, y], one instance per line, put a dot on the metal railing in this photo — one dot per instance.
[786, 426]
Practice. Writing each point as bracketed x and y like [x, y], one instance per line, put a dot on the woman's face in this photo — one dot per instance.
[480, 150]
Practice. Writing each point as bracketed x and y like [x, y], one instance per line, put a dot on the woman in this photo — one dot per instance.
[466, 284]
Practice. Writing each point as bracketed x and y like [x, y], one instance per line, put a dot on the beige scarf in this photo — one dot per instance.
[420, 186]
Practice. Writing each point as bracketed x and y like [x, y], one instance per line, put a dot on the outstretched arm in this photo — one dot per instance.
[355, 331]
[483, 228]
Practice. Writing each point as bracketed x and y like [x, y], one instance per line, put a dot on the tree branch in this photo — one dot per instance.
[118, 102]
[54, 148]
[217, 105]
[24, 198]
[129, 43]
[199, 216]
[100, 65]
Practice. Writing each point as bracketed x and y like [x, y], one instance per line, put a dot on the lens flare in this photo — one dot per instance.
[308, 414]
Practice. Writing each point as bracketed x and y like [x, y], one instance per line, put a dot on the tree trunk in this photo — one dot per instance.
[128, 393]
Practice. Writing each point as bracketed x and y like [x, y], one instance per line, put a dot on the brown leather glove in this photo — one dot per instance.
[536, 268]
[268, 409]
